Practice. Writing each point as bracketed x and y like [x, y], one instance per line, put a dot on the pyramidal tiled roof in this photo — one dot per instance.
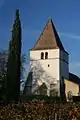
[49, 38]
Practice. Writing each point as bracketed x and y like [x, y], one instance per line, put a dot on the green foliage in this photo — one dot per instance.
[47, 99]
[14, 61]
[39, 110]
[3, 70]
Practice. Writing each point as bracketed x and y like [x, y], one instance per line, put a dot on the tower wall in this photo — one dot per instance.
[64, 72]
[64, 65]
[48, 69]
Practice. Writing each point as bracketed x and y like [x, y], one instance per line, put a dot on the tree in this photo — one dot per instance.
[3, 63]
[14, 61]
[37, 76]
[23, 62]
[3, 70]
[70, 95]
[43, 89]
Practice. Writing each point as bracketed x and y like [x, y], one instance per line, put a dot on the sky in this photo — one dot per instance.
[34, 14]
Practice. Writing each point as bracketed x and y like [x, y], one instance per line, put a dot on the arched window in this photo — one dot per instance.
[42, 55]
[46, 55]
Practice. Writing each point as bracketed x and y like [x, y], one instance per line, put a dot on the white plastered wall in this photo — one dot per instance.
[58, 68]
[51, 74]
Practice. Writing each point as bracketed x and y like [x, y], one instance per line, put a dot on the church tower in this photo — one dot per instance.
[48, 62]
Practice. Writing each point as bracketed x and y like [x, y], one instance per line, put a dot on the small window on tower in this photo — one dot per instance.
[48, 65]
[46, 55]
[42, 55]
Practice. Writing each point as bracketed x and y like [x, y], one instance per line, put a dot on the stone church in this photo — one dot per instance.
[49, 66]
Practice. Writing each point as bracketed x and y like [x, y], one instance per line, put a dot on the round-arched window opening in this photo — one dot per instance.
[46, 55]
[42, 55]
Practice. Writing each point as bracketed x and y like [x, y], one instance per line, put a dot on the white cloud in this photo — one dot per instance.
[69, 35]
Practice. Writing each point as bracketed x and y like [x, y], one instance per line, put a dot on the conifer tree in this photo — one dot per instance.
[14, 62]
